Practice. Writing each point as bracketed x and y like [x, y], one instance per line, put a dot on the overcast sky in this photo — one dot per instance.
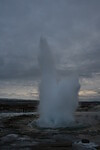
[72, 28]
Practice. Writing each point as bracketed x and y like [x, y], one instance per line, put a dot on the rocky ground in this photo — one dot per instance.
[16, 133]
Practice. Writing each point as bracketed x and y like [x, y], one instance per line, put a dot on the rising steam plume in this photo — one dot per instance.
[58, 100]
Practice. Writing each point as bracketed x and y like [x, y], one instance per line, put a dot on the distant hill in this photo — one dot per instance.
[22, 105]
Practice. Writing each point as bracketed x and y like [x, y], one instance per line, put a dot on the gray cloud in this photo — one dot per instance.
[72, 29]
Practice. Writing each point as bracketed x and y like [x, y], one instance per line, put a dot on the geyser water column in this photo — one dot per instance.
[58, 101]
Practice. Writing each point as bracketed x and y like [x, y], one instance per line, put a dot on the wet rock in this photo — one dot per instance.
[9, 138]
[13, 148]
[85, 141]
[62, 144]
[45, 141]
[1, 125]
[24, 142]
[98, 147]
[25, 138]
[63, 137]
[84, 146]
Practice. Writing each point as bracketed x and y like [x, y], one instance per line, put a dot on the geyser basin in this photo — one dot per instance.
[58, 101]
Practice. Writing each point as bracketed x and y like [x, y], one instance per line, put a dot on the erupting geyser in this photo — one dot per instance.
[58, 100]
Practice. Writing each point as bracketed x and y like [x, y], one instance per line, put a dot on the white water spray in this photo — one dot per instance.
[58, 101]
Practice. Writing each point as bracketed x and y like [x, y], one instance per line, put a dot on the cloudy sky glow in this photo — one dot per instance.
[72, 28]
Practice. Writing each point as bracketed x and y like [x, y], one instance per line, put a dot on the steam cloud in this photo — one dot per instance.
[58, 100]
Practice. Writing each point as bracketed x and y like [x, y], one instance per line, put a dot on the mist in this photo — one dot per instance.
[58, 100]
